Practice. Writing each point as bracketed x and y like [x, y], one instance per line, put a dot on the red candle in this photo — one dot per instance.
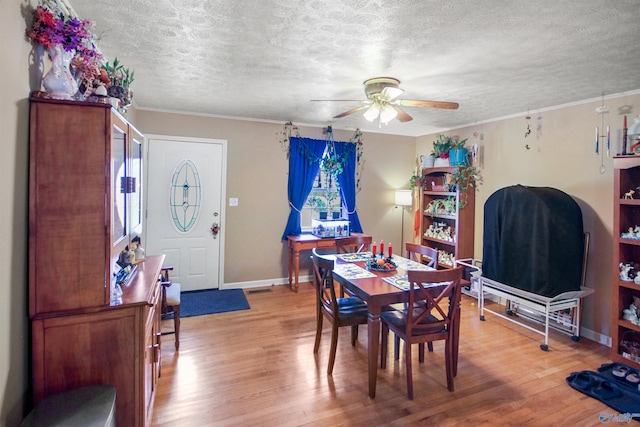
[381, 247]
[390, 250]
[374, 248]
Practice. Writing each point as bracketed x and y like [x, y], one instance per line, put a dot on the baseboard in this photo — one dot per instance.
[596, 336]
[263, 283]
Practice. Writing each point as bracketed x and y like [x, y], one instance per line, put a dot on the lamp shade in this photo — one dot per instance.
[403, 198]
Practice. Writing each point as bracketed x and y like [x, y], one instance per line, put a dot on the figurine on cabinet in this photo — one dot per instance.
[631, 313]
[625, 269]
[139, 250]
[629, 194]
[632, 233]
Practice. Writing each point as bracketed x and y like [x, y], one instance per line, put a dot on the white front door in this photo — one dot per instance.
[185, 199]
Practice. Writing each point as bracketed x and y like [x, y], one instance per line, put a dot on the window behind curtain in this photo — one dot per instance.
[324, 187]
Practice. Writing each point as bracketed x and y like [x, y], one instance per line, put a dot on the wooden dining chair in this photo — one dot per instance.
[171, 302]
[434, 296]
[353, 243]
[418, 253]
[350, 311]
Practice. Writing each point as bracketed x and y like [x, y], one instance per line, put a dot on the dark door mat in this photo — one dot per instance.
[614, 390]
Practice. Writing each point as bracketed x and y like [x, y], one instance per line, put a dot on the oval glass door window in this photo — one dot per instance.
[185, 196]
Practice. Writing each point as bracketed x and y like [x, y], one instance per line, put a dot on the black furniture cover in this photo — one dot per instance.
[533, 240]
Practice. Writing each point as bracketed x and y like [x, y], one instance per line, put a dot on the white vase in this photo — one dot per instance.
[440, 162]
[58, 81]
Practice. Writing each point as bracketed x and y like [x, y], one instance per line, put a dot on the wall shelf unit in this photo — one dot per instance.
[443, 224]
[626, 215]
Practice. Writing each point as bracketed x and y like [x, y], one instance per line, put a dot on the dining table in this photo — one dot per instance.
[378, 289]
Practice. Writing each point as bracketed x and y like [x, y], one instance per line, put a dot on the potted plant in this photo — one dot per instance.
[441, 147]
[464, 178]
[120, 79]
[458, 152]
[415, 182]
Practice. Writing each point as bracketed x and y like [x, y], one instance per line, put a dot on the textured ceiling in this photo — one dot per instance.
[266, 59]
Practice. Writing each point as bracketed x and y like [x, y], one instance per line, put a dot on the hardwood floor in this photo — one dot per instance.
[257, 367]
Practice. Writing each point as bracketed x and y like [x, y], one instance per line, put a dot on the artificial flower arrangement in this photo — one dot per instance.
[53, 27]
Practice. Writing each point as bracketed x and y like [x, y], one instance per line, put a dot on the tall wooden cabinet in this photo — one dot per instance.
[626, 215]
[84, 205]
[445, 225]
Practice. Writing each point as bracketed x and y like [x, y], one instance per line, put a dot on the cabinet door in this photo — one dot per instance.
[119, 182]
[152, 352]
[135, 174]
[68, 240]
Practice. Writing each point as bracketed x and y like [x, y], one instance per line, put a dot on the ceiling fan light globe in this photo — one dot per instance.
[390, 92]
[387, 114]
[372, 113]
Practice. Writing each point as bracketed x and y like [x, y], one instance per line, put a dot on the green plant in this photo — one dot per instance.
[449, 206]
[441, 147]
[415, 182]
[465, 178]
[118, 75]
[457, 143]
[119, 80]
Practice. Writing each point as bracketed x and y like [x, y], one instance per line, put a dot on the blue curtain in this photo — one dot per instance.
[347, 181]
[304, 164]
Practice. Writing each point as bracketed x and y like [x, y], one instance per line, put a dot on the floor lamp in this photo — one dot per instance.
[403, 198]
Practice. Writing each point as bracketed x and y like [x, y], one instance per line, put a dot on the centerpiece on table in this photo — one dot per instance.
[380, 262]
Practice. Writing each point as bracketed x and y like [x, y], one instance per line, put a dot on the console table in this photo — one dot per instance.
[306, 242]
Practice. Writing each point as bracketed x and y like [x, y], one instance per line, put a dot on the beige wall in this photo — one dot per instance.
[257, 175]
[14, 121]
[562, 155]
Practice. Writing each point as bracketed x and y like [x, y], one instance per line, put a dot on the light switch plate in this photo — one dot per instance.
[233, 201]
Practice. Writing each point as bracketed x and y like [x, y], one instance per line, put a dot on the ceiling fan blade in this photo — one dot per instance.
[338, 100]
[430, 104]
[402, 116]
[354, 110]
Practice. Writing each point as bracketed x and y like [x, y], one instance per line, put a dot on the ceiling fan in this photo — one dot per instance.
[381, 103]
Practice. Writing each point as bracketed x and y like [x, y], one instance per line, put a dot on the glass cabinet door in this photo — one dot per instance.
[135, 187]
[119, 184]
